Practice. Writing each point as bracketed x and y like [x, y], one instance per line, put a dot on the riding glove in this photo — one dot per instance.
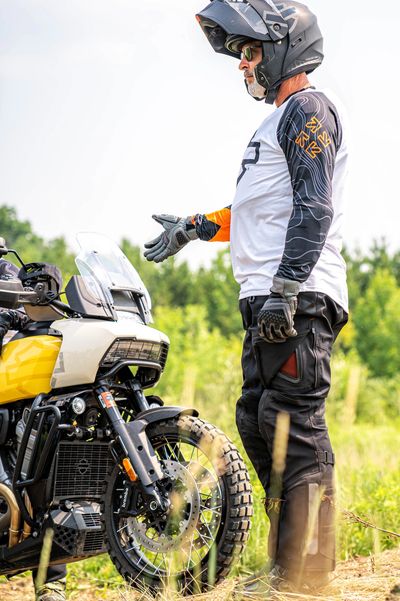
[178, 232]
[11, 320]
[275, 320]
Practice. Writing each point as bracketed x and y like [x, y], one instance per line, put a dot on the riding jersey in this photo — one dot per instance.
[286, 216]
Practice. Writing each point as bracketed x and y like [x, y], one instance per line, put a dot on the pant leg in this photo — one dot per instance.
[258, 451]
[53, 573]
[302, 537]
[252, 390]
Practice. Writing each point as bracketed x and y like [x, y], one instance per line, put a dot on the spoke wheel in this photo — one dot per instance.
[206, 526]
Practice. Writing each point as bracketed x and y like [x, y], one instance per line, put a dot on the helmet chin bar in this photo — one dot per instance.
[269, 97]
[268, 72]
[248, 88]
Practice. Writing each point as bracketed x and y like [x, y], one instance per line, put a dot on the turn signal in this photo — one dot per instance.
[129, 469]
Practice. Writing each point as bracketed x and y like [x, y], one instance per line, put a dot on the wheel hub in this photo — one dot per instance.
[178, 524]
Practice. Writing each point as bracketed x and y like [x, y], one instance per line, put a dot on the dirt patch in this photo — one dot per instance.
[375, 578]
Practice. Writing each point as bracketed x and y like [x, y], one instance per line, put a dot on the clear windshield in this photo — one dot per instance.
[109, 275]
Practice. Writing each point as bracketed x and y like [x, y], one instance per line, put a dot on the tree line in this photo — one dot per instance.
[373, 332]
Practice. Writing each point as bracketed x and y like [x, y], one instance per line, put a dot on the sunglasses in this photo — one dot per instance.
[249, 53]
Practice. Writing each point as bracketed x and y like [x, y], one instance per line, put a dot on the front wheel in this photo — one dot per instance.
[194, 543]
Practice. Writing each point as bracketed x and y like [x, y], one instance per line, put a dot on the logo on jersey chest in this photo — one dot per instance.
[252, 155]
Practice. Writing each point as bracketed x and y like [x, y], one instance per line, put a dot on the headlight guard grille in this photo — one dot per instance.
[136, 351]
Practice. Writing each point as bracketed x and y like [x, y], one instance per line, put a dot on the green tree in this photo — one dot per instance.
[218, 291]
[31, 247]
[56, 252]
[19, 235]
[362, 267]
[377, 323]
[202, 365]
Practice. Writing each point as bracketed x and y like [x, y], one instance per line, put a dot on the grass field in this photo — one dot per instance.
[368, 482]
[373, 578]
[367, 473]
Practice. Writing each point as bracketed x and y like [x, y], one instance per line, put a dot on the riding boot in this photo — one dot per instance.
[302, 536]
[54, 587]
[52, 591]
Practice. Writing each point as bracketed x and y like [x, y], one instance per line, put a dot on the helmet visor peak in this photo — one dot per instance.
[225, 21]
[251, 17]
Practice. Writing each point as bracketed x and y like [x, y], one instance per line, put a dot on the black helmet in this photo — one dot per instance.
[288, 31]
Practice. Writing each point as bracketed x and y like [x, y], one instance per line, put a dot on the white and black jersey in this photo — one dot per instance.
[286, 216]
[287, 212]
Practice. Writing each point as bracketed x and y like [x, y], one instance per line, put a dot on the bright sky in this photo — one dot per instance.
[113, 110]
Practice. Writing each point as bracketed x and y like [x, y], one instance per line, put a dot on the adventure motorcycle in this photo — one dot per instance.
[85, 453]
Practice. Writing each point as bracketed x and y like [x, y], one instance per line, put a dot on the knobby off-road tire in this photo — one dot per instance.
[232, 530]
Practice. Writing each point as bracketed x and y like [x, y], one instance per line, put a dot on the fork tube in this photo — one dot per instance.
[132, 451]
[140, 398]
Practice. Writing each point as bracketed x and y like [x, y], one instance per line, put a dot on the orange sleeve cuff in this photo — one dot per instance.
[223, 219]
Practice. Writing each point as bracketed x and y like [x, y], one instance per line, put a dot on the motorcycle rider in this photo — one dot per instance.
[284, 225]
[15, 320]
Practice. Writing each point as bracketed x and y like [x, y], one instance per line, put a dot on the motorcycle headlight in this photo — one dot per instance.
[136, 351]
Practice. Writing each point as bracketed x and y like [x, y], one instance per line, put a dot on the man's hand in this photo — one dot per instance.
[275, 320]
[178, 232]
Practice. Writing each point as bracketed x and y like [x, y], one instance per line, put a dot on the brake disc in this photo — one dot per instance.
[183, 514]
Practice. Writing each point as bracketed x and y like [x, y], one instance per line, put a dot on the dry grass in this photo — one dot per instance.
[375, 578]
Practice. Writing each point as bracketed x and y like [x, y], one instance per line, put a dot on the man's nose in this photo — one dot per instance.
[244, 63]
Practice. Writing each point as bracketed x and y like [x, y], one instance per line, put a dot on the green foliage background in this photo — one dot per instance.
[198, 311]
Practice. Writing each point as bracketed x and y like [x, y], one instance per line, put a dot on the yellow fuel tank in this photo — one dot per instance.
[26, 367]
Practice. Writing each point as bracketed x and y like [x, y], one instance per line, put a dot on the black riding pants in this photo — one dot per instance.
[293, 377]
[53, 573]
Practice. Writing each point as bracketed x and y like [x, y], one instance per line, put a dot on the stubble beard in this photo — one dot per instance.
[254, 88]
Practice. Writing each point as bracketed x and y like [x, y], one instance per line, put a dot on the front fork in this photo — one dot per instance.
[140, 461]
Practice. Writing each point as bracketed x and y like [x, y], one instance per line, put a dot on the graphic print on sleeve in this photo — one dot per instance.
[310, 135]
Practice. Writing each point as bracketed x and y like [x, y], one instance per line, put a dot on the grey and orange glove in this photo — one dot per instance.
[178, 231]
[276, 317]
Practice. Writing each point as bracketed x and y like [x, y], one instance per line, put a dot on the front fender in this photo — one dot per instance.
[144, 459]
[157, 414]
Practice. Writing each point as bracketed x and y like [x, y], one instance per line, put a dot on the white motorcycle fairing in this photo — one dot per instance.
[86, 341]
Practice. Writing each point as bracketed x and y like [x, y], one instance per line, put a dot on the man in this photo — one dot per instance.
[284, 226]
[10, 320]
